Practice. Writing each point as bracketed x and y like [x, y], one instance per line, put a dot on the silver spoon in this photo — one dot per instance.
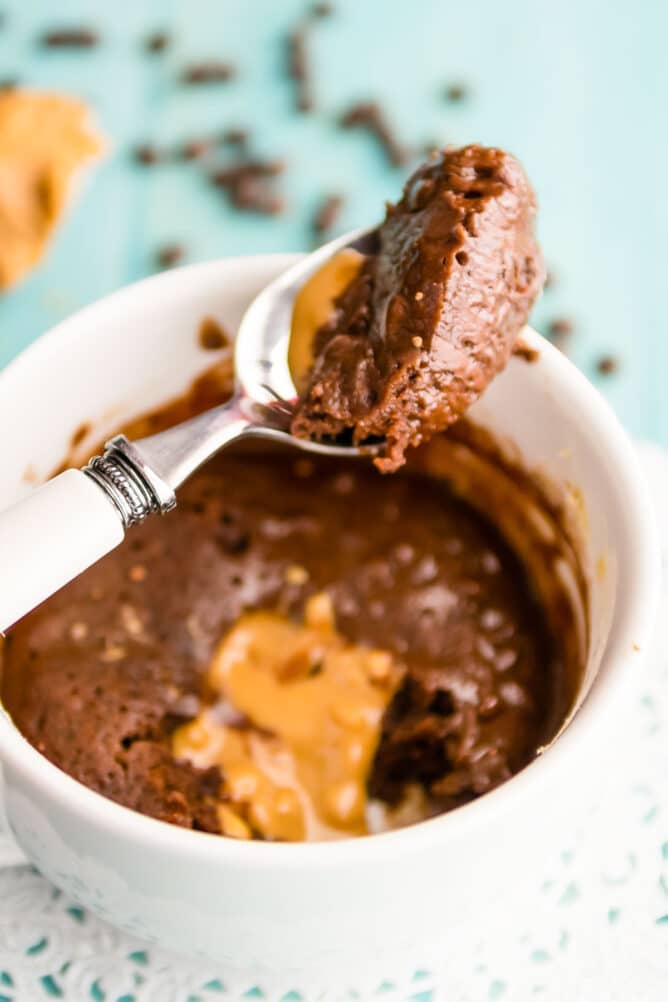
[69, 523]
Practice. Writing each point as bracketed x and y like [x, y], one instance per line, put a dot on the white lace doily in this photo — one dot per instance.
[599, 934]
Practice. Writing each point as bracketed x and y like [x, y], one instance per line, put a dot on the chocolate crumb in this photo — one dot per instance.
[147, 155]
[319, 10]
[298, 68]
[607, 365]
[212, 336]
[80, 38]
[195, 149]
[370, 116]
[79, 434]
[327, 214]
[211, 71]
[157, 42]
[561, 327]
[457, 92]
[169, 255]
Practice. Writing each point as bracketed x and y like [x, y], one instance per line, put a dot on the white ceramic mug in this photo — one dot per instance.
[309, 916]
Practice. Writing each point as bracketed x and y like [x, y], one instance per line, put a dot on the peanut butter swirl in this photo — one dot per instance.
[295, 762]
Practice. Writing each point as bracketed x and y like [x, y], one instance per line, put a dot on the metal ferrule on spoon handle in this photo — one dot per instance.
[75, 519]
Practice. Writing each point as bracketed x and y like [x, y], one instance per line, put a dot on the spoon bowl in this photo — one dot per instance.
[263, 401]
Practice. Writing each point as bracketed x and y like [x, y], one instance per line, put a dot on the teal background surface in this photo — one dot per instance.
[577, 88]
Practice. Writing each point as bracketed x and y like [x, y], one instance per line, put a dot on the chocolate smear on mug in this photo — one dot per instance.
[212, 336]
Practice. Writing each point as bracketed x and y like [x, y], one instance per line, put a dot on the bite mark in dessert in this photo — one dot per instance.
[432, 317]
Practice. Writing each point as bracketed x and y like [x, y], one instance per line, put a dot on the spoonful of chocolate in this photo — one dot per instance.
[371, 344]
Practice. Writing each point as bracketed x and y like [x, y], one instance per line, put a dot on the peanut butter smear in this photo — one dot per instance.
[314, 305]
[309, 708]
[44, 140]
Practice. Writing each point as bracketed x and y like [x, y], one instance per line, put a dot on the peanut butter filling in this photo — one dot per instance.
[44, 140]
[310, 707]
[314, 306]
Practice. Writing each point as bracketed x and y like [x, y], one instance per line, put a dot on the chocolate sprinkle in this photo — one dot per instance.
[195, 149]
[319, 10]
[169, 255]
[253, 195]
[550, 280]
[298, 68]
[370, 116]
[157, 42]
[607, 365]
[246, 184]
[236, 136]
[456, 92]
[81, 38]
[254, 167]
[147, 155]
[212, 71]
[561, 327]
[327, 214]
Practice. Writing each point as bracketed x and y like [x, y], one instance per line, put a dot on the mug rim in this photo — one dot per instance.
[628, 635]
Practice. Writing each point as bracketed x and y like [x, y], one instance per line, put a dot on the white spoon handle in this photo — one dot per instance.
[51, 536]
